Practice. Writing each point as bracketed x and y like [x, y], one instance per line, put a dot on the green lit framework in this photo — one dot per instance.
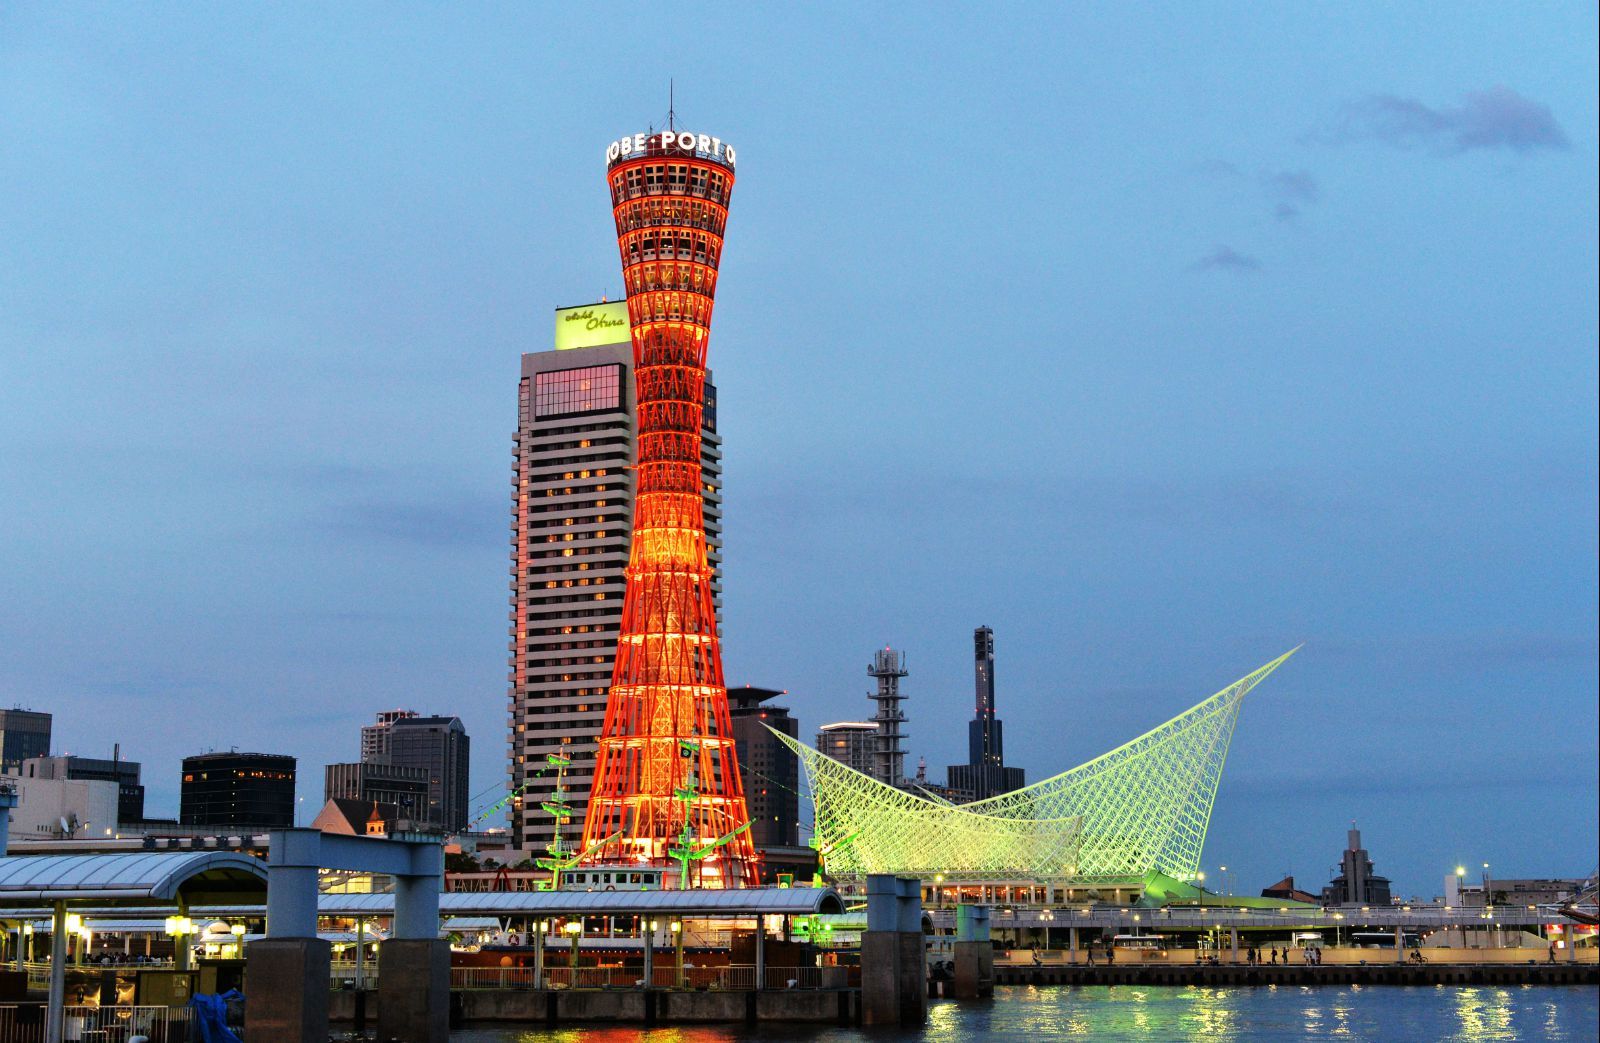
[1141, 808]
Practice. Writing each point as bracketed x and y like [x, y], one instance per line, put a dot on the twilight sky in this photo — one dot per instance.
[1159, 338]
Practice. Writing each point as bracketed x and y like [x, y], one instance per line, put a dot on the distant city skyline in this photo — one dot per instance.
[1160, 340]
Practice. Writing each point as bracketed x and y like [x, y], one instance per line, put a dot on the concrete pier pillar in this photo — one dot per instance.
[414, 990]
[416, 907]
[893, 954]
[1233, 943]
[974, 954]
[761, 954]
[1399, 946]
[879, 959]
[1072, 945]
[288, 982]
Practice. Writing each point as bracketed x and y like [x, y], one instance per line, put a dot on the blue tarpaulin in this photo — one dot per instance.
[211, 1015]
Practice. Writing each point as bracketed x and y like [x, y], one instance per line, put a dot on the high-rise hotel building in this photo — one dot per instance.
[572, 519]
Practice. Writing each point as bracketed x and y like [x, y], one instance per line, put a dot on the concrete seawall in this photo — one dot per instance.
[631, 1006]
[1349, 974]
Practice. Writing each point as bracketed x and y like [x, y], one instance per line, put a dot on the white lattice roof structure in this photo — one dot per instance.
[1143, 807]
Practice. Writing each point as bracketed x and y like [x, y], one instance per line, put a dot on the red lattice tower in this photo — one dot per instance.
[666, 785]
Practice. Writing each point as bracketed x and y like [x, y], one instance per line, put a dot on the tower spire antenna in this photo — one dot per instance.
[671, 107]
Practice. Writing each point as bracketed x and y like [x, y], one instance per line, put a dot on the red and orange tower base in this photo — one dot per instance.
[667, 790]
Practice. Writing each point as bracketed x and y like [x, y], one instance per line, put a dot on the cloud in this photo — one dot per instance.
[1288, 191]
[1226, 258]
[1498, 118]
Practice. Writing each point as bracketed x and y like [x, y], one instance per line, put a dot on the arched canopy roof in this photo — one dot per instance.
[142, 878]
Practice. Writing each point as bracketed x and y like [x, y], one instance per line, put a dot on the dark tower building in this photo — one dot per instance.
[440, 746]
[773, 784]
[237, 789]
[985, 774]
[23, 734]
[1356, 884]
[406, 789]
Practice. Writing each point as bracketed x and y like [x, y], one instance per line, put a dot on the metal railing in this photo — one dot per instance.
[343, 975]
[38, 971]
[25, 1023]
[491, 977]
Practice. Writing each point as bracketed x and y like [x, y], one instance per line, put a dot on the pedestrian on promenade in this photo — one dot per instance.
[1552, 952]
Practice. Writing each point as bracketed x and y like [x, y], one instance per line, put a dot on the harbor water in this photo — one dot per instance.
[1031, 1014]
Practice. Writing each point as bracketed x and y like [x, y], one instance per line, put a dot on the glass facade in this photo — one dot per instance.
[588, 389]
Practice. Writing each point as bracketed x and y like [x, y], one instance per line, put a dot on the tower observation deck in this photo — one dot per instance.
[667, 790]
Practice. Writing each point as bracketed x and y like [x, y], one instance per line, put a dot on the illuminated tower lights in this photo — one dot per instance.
[667, 790]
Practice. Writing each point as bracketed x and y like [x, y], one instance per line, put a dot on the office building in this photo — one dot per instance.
[439, 747]
[375, 736]
[130, 793]
[23, 734]
[770, 769]
[985, 774]
[403, 788]
[572, 519]
[852, 743]
[237, 789]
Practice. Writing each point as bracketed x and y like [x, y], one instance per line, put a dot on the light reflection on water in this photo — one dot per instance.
[1031, 1014]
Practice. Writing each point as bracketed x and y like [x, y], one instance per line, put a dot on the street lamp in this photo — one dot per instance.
[179, 928]
[574, 929]
[74, 926]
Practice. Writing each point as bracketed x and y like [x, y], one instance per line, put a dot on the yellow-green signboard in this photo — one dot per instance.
[589, 325]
